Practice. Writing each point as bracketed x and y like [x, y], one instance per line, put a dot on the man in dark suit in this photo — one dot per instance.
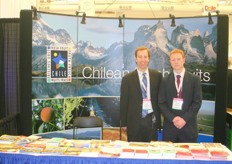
[180, 98]
[139, 100]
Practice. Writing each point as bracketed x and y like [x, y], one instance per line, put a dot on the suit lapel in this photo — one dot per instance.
[184, 86]
[172, 86]
[136, 82]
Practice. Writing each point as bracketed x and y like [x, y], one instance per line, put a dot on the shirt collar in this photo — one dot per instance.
[141, 73]
[181, 74]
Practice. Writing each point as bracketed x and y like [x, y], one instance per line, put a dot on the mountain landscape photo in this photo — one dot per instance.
[94, 69]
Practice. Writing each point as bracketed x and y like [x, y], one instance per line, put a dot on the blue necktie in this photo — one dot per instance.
[144, 93]
[144, 86]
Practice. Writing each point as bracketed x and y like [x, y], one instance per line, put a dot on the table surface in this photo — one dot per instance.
[11, 158]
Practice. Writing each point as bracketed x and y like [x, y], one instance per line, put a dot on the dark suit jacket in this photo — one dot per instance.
[131, 99]
[192, 95]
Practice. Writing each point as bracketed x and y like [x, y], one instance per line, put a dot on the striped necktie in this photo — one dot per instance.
[144, 86]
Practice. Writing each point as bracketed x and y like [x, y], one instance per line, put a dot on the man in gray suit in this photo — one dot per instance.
[180, 98]
[139, 100]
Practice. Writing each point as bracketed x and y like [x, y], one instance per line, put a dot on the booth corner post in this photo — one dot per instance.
[25, 72]
[221, 76]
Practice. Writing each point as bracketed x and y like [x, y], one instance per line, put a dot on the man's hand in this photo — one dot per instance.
[179, 122]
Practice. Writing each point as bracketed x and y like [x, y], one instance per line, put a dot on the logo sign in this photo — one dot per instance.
[59, 65]
[210, 8]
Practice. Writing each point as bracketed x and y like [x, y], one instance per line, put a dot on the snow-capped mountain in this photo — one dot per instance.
[43, 35]
[197, 49]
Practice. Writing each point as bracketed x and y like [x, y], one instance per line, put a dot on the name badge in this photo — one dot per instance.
[177, 103]
[147, 105]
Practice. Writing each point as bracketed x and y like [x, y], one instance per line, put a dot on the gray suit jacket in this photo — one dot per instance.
[131, 99]
[192, 95]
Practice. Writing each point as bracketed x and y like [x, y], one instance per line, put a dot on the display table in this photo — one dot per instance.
[37, 150]
[8, 158]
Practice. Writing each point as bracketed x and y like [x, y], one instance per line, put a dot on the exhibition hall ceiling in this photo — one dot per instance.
[136, 8]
